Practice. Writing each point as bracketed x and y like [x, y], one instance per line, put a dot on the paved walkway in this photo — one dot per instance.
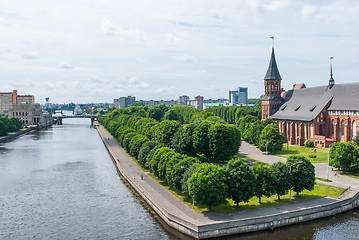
[321, 169]
[171, 205]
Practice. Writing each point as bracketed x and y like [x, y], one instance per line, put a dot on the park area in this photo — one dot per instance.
[314, 154]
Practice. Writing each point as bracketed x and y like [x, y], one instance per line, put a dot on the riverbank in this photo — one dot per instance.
[206, 225]
[11, 136]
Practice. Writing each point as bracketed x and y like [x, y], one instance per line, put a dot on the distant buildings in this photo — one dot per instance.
[239, 97]
[25, 108]
[124, 102]
[198, 102]
[9, 98]
[183, 100]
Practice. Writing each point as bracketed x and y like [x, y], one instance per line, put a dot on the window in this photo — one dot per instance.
[312, 108]
[297, 108]
[342, 125]
[320, 130]
[354, 129]
[333, 126]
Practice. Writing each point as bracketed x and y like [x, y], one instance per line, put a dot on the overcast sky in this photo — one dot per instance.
[97, 50]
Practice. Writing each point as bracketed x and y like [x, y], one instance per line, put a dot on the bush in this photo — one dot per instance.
[309, 143]
[312, 156]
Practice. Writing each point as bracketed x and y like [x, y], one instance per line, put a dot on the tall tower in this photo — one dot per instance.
[272, 84]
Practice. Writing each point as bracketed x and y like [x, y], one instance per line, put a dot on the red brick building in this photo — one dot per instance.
[324, 114]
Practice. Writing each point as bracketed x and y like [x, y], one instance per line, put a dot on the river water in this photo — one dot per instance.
[60, 183]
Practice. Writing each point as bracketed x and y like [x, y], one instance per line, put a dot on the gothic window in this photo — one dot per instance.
[333, 126]
[342, 125]
[354, 129]
[320, 130]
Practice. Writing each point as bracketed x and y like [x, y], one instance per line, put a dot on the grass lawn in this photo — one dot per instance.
[320, 190]
[320, 153]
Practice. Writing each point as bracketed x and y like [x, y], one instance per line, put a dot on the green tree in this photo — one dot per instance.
[302, 173]
[224, 141]
[345, 156]
[185, 143]
[200, 139]
[178, 176]
[282, 178]
[165, 131]
[264, 182]
[240, 181]
[270, 135]
[208, 185]
[136, 143]
[159, 157]
[3, 128]
[127, 139]
[144, 152]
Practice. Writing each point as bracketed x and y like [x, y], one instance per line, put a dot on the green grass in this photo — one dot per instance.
[323, 179]
[248, 159]
[350, 174]
[320, 153]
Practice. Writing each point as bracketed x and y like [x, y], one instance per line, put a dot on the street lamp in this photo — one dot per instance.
[290, 172]
[192, 173]
[328, 161]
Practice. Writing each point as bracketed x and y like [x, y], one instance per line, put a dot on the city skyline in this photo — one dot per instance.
[96, 51]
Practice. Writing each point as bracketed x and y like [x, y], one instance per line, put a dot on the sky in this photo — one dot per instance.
[86, 51]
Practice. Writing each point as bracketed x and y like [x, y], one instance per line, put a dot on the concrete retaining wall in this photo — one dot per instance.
[224, 228]
[11, 136]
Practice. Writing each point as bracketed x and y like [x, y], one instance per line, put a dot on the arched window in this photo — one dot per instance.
[333, 126]
[342, 127]
[354, 129]
[320, 130]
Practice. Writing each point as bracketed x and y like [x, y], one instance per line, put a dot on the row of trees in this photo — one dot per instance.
[205, 136]
[345, 156]
[212, 185]
[8, 125]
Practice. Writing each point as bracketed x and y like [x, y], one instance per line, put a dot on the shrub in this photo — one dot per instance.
[312, 156]
[309, 143]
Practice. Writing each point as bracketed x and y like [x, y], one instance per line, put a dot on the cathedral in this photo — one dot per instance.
[323, 114]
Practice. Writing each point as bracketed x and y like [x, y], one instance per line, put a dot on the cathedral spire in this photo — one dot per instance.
[272, 72]
[331, 80]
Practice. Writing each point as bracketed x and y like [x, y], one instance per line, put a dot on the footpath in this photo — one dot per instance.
[206, 225]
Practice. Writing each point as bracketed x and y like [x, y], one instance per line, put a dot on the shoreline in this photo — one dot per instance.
[207, 225]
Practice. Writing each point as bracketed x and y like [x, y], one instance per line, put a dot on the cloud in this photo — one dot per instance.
[29, 55]
[309, 10]
[64, 65]
[123, 34]
[185, 58]
[134, 83]
[275, 5]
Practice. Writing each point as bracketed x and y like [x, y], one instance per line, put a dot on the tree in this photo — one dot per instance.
[302, 173]
[271, 137]
[240, 181]
[158, 158]
[3, 128]
[172, 114]
[224, 141]
[200, 139]
[178, 175]
[244, 123]
[165, 131]
[264, 182]
[345, 156]
[127, 139]
[136, 143]
[309, 143]
[208, 185]
[282, 179]
[185, 143]
[174, 159]
[144, 152]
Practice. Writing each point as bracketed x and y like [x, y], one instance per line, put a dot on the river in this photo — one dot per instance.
[60, 183]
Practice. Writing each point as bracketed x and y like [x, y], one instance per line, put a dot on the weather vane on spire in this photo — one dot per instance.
[272, 37]
[331, 67]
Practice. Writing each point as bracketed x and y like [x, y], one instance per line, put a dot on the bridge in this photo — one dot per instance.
[57, 119]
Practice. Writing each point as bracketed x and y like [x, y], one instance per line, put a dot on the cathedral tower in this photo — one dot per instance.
[272, 83]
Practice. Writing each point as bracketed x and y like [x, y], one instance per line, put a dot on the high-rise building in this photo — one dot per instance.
[124, 102]
[239, 97]
[183, 100]
[198, 102]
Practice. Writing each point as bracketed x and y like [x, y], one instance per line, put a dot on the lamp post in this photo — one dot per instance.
[328, 161]
[290, 172]
[192, 173]
[267, 147]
